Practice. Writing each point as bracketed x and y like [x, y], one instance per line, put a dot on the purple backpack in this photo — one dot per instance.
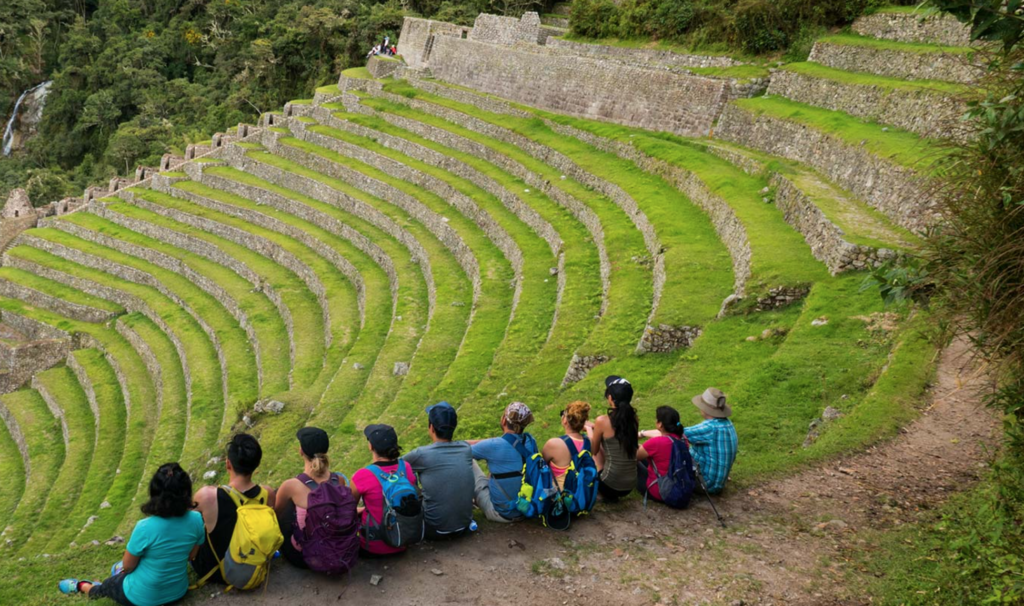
[330, 540]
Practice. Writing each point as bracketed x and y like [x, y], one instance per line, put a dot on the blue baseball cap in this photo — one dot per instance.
[442, 416]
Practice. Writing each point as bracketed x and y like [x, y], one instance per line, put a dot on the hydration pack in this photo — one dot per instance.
[402, 522]
[676, 486]
[581, 478]
[246, 563]
[537, 491]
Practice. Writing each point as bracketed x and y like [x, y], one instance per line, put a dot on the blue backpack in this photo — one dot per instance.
[402, 521]
[581, 478]
[537, 491]
[677, 485]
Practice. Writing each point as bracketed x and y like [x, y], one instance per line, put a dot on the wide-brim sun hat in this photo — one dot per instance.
[712, 403]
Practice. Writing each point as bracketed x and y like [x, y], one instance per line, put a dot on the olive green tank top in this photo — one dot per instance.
[619, 469]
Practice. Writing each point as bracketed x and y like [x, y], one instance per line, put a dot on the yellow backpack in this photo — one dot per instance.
[246, 564]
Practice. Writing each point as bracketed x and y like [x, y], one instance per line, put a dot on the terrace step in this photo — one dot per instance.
[55, 297]
[902, 60]
[154, 262]
[385, 265]
[891, 170]
[621, 328]
[193, 338]
[488, 168]
[930, 109]
[12, 467]
[534, 297]
[44, 452]
[913, 24]
[60, 390]
[450, 289]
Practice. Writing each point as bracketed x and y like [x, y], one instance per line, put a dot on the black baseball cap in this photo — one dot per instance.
[313, 441]
[381, 437]
[442, 416]
[618, 388]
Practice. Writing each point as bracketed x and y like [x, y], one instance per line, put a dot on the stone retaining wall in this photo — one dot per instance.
[431, 220]
[61, 307]
[826, 240]
[905, 65]
[170, 264]
[142, 348]
[910, 27]
[640, 56]
[54, 406]
[580, 366]
[129, 302]
[380, 67]
[416, 40]
[652, 98]
[508, 31]
[208, 251]
[16, 435]
[926, 112]
[511, 201]
[328, 195]
[580, 211]
[896, 190]
[568, 168]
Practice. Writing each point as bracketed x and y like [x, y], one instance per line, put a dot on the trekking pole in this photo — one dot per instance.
[700, 478]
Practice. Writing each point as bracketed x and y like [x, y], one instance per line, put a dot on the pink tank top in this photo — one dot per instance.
[557, 471]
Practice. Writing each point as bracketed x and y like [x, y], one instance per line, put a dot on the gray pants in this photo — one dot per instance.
[483, 495]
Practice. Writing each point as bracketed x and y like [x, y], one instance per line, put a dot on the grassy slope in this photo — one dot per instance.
[42, 434]
[60, 383]
[893, 45]
[439, 344]
[780, 255]
[266, 322]
[528, 330]
[242, 379]
[630, 294]
[900, 147]
[581, 299]
[401, 341]
[817, 70]
[12, 475]
[57, 290]
[308, 344]
[493, 308]
[207, 403]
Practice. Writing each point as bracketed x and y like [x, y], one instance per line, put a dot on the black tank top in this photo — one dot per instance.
[227, 515]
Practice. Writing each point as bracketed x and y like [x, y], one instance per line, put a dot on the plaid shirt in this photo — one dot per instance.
[713, 446]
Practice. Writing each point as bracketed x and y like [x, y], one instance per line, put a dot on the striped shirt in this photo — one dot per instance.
[713, 446]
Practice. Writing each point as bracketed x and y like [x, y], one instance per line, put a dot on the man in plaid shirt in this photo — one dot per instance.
[713, 442]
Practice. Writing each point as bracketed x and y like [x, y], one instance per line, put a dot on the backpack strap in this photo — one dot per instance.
[515, 443]
[240, 499]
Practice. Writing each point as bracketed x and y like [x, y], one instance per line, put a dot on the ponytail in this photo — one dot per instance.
[319, 464]
[626, 424]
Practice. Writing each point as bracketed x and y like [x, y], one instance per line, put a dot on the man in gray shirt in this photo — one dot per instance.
[445, 472]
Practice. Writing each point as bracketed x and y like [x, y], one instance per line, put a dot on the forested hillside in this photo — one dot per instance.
[133, 78]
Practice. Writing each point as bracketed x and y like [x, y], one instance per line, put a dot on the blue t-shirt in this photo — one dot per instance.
[162, 546]
[501, 458]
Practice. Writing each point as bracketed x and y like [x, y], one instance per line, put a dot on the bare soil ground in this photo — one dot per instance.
[786, 542]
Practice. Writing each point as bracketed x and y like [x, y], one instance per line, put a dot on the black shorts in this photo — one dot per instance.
[611, 494]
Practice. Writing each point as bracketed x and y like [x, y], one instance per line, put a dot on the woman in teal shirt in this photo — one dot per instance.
[154, 570]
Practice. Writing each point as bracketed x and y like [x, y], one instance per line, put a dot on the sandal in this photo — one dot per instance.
[69, 586]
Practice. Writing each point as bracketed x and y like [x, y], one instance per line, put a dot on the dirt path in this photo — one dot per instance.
[784, 543]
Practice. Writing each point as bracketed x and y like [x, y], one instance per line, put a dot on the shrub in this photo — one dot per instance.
[761, 26]
[594, 18]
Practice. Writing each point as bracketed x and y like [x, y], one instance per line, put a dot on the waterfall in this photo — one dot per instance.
[8, 141]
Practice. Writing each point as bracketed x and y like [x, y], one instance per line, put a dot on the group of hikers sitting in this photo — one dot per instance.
[384, 48]
[322, 521]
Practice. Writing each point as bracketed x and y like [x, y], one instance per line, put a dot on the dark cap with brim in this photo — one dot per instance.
[313, 441]
[442, 416]
[381, 437]
[618, 388]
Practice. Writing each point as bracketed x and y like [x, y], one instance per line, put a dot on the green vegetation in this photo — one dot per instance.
[58, 290]
[132, 81]
[12, 474]
[901, 147]
[207, 411]
[42, 435]
[816, 70]
[743, 73]
[892, 45]
[61, 385]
